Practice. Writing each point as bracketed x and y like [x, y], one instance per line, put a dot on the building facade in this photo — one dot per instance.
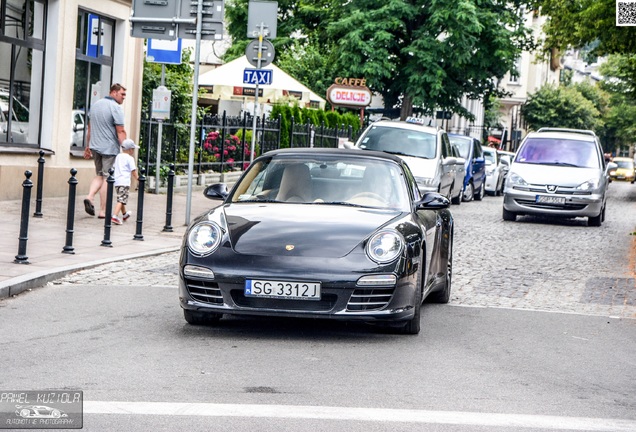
[57, 58]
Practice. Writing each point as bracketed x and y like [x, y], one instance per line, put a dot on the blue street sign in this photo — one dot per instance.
[164, 51]
[92, 36]
[257, 76]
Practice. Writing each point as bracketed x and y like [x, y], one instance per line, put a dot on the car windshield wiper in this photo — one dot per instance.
[345, 203]
[561, 164]
[404, 154]
[258, 201]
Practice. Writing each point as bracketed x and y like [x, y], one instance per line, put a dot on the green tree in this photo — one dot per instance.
[577, 23]
[423, 54]
[560, 107]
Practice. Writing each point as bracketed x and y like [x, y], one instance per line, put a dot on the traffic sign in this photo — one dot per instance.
[257, 76]
[262, 15]
[211, 19]
[156, 19]
[267, 53]
[164, 51]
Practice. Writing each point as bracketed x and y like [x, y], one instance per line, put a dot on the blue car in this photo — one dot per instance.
[475, 178]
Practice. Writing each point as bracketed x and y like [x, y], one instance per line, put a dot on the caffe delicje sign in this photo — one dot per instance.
[349, 92]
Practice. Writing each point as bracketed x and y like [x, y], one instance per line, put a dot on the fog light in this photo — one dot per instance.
[198, 272]
[377, 280]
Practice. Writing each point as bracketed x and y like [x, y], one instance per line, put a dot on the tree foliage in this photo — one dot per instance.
[577, 23]
[562, 106]
[422, 54]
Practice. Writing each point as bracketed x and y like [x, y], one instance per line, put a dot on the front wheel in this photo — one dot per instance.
[443, 296]
[509, 216]
[458, 199]
[481, 192]
[412, 327]
[596, 221]
[469, 192]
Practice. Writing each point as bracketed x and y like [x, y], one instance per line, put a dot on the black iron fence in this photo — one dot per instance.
[223, 143]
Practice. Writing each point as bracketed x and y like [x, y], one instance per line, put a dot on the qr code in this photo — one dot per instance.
[626, 13]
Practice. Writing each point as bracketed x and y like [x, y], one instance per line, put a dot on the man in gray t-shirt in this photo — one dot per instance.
[104, 136]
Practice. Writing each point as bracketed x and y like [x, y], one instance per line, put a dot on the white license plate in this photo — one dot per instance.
[549, 199]
[282, 289]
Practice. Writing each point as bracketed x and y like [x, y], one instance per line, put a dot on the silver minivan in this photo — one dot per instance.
[558, 172]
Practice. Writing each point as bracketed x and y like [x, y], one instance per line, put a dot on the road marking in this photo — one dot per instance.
[360, 414]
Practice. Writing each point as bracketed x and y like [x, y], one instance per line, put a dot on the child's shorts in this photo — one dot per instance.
[122, 194]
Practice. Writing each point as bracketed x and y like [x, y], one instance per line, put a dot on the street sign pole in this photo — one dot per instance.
[258, 66]
[195, 100]
[159, 136]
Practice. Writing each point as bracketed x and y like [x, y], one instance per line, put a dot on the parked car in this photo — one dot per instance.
[457, 193]
[494, 171]
[426, 149]
[77, 128]
[624, 170]
[475, 166]
[558, 172]
[505, 159]
[19, 116]
[323, 233]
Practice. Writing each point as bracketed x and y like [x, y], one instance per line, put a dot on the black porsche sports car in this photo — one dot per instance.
[321, 233]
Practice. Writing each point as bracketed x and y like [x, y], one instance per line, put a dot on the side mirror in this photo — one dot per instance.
[433, 201]
[450, 160]
[461, 161]
[612, 166]
[216, 191]
[488, 162]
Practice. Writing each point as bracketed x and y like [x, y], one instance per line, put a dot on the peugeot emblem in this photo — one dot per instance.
[551, 188]
[289, 247]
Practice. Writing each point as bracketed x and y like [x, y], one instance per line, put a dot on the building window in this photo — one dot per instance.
[515, 72]
[93, 67]
[22, 42]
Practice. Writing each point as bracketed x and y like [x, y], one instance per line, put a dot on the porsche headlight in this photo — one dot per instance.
[589, 185]
[385, 246]
[204, 238]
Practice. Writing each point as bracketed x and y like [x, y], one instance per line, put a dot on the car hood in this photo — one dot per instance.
[556, 175]
[312, 230]
[421, 167]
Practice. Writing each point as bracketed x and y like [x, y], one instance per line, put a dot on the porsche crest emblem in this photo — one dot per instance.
[289, 247]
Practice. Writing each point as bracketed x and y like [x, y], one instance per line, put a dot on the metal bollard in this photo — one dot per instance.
[140, 203]
[38, 200]
[109, 208]
[70, 213]
[27, 184]
[168, 226]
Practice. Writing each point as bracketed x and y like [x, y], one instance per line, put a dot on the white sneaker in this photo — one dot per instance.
[126, 215]
[115, 220]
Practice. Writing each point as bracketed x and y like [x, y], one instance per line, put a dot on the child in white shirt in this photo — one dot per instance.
[125, 168]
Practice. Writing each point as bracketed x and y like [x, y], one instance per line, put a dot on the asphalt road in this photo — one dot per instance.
[531, 341]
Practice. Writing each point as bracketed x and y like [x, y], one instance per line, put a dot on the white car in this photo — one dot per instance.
[77, 128]
[494, 171]
[19, 117]
[426, 149]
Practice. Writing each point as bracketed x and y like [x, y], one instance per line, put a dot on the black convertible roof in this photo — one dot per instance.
[306, 151]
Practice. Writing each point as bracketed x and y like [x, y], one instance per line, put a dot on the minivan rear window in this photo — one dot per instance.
[565, 152]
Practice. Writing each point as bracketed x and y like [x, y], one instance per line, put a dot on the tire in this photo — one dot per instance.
[509, 216]
[412, 326]
[480, 193]
[443, 296]
[469, 192]
[199, 318]
[458, 199]
[596, 221]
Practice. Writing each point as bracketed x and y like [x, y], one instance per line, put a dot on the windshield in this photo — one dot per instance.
[627, 164]
[330, 180]
[490, 155]
[398, 141]
[550, 151]
[463, 145]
